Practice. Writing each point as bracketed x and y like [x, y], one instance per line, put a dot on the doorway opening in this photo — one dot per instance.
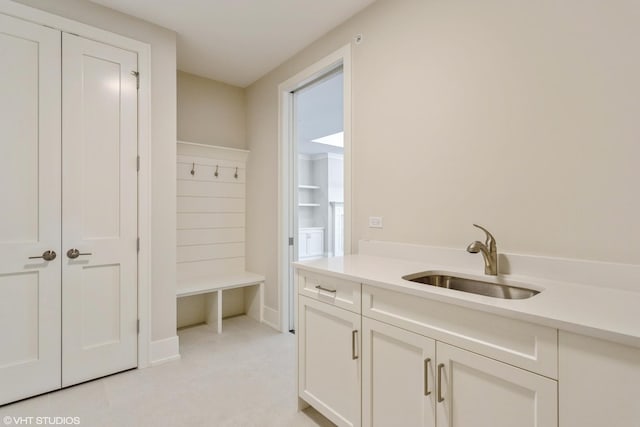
[315, 185]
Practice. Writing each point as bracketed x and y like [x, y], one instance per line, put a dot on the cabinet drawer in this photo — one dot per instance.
[518, 343]
[341, 293]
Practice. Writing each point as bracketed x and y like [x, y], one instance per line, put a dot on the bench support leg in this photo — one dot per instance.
[213, 309]
[219, 319]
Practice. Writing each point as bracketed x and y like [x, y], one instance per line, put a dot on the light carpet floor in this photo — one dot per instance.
[242, 377]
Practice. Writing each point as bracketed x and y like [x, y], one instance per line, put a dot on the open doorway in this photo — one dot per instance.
[318, 178]
[314, 170]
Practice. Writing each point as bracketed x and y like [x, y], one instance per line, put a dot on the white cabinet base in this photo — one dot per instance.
[479, 391]
[397, 377]
[329, 355]
[599, 383]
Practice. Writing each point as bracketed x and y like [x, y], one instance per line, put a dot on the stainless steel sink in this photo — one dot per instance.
[473, 286]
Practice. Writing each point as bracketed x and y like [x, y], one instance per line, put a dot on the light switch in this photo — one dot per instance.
[375, 222]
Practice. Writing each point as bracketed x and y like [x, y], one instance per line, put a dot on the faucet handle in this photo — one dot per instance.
[490, 241]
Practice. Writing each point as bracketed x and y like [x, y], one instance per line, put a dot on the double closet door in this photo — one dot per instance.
[68, 209]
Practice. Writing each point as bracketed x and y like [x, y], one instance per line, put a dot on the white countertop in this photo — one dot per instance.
[601, 312]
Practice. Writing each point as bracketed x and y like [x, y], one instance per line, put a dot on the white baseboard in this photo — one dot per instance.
[271, 317]
[165, 350]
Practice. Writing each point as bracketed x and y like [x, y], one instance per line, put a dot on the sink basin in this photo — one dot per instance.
[473, 286]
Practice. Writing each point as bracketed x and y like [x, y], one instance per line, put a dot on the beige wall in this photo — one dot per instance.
[210, 112]
[163, 144]
[521, 116]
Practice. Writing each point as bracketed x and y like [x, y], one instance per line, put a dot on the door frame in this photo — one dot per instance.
[143, 50]
[286, 165]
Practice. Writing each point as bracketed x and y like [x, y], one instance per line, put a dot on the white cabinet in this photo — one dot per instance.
[310, 242]
[473, 390]
[598, 382]
[329, 360]
[407, 378]
[424, 363]
[398, 387]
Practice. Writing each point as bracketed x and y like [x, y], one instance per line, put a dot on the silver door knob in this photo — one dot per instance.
[46, 255]
[73, 253]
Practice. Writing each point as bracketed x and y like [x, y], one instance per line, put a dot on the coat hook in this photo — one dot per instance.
[193, 169]
[236, 174]
[216, 172]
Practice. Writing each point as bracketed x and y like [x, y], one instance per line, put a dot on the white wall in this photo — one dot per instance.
[521, 116]
[163, 146]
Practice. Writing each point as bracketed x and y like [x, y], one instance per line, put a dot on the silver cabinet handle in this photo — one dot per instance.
[333, 291]
[427, 362]
[354, 335]
[74, 253]
[46, 255]
[440, 368]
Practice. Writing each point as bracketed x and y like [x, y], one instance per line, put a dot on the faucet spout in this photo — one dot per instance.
[488, 250]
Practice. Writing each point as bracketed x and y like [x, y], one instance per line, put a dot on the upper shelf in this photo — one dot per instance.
[309, 187]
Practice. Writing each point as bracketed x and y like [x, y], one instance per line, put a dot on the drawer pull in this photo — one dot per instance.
[440, 369]
[354, 335]
[333, 291]
[427, 362]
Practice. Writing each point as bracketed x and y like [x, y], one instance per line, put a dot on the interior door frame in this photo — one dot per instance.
[286, 166]
[143, 50]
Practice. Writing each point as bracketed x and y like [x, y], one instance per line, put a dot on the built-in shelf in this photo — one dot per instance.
[309, 204]
[309, 187]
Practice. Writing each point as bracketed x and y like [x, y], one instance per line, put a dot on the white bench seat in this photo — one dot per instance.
[217, 284]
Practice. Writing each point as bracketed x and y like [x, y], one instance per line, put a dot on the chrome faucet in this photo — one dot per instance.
[488, 250]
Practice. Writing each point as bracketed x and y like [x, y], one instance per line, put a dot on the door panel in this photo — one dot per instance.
[397, 377]
[30, 211]
[479, 391]
[329, 368]
[99, 210]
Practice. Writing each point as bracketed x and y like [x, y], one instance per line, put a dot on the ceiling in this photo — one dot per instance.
[239, 41]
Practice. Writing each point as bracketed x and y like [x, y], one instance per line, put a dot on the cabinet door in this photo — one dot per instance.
[598, 382]
[29, 209]
[316, 243]
[397, 377]
[329, 360]
[475, 391]
[303, 244]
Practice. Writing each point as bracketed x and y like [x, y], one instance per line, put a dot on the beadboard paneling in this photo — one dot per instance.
[191, 270]
[209, 220]
[209, 236]
[209, 252]
[210, 205]
[189, 187]
[210, 211]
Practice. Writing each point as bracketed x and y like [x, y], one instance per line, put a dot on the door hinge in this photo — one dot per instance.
[138, 244]
[138, 326]
[137, 75]
[138, 163]
[290, 241]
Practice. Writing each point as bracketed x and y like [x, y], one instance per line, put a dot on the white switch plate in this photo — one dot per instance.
[375, 222]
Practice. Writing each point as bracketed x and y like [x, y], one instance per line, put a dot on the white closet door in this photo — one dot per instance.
[99, 216]
[29, 209]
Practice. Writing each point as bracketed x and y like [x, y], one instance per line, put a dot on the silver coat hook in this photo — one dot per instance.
[193, 169]
[236, 174]
[216, 172]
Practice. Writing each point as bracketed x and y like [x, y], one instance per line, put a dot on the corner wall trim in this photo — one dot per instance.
[271, 317]
[164, 350]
